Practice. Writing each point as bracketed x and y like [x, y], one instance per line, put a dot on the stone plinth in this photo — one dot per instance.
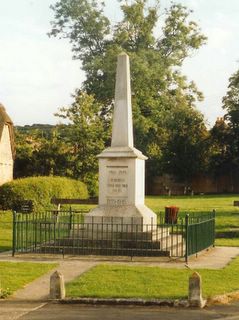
[121, 189]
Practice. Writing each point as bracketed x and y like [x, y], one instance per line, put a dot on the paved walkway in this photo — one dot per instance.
[72, 267]
[39, 289]
[215, 258]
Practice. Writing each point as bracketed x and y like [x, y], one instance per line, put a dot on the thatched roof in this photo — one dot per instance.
[6, 120]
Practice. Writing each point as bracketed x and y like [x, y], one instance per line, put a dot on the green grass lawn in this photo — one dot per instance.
[5, 230]
[227, 216]
[108, 281]
[15, 275]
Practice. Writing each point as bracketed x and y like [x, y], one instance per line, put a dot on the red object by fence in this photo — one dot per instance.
[171, 214]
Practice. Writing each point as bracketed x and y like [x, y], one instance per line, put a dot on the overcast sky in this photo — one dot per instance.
[38, 75]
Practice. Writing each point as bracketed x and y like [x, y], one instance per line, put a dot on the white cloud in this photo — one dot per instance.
[219, 37]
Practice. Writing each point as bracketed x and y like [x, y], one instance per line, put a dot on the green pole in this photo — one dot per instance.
[14, 225]
[186, 236]
[214, 221]
[70, 218]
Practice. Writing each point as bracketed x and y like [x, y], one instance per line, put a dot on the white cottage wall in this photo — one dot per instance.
[6, 158]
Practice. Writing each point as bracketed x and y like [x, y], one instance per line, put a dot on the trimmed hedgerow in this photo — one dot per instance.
[40, 190]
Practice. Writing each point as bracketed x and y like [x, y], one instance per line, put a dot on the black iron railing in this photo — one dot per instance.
[69, 232]
[200, 233]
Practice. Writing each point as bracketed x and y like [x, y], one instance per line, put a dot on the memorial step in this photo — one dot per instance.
[172, 245]
[96, 232]
[103, 243]
[103, 251]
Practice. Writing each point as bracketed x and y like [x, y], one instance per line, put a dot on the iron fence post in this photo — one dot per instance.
[35, 230]
[14, 233]
[131, 237]
[214, 218]
[186, 237]
[70, 221]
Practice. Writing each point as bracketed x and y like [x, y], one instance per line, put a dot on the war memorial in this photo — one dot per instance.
[121, 224]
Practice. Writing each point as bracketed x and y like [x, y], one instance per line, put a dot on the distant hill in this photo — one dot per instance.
[40, 126]
[44, 130]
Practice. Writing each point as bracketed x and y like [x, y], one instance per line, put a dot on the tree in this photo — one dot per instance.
[85, 136]
[23, 164]
[67, 149]
[159, 88]
[231, 102]
[230, 134]
[220, 138]
[41, 153]
[186, 152]
[224, 135]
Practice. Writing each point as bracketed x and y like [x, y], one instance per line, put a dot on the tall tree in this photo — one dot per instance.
[231, 101]
[156, 59]
[41, 153]
[186, 152]
[85, 136]
[231, 105]
[220, 141]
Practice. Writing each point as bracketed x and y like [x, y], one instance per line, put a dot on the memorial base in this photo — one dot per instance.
[123, 218]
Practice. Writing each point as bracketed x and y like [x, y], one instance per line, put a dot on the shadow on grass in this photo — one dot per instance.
[228, 234]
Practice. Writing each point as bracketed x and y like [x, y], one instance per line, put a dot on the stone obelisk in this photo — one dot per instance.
[121, 166]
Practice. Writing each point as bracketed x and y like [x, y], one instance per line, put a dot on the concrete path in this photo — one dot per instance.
[73, 266]
[39, 288]
[214, 258]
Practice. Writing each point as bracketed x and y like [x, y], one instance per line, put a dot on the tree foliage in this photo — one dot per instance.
[225, 135]
[228, 141]
[163, 99]
[68, 150]
[40, 152]
[220, 140]
[85, 136]
[231, 102]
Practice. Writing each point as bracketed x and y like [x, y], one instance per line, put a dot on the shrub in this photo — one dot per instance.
[40, 190]
[91, 180]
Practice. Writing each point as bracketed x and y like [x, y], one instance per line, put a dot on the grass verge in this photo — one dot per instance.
[227, 216]
[15, 275]
[5, 230]
[107, 281]
[227, 242]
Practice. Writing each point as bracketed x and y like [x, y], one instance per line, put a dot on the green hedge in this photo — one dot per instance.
[40, 190]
